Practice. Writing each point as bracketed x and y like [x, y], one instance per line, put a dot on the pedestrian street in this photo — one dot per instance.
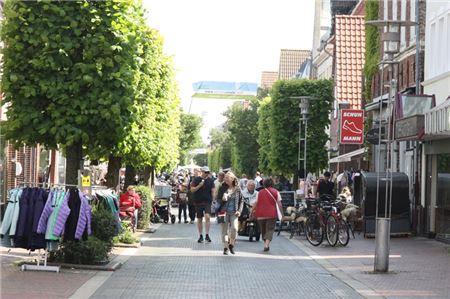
[171, 264]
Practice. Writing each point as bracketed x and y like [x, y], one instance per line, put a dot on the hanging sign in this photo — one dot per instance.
[352, 126]
[86, 181]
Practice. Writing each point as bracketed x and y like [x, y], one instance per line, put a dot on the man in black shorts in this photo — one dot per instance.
[202, 188]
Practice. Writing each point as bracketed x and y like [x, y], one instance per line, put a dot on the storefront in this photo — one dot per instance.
[437, 183]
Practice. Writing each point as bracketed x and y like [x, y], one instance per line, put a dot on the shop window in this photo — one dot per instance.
[61, 168]
[44, 165]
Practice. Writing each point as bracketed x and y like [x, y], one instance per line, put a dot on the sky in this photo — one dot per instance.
[233, 40]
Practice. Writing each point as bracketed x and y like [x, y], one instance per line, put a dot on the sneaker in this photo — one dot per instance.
[207, 239]
[225, 251]
[179, 221]
[192, 222]
[185, 221]
[200, 240]
[231, 247]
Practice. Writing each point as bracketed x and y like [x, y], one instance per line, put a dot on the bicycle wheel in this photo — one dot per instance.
[332, 230]
[314, 232]
[293, 229]
[344, 234]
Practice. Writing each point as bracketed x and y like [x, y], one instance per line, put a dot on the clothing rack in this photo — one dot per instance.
[42, 258]
[41, 261]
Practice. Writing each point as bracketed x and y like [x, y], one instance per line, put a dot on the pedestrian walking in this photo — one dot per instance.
[266, 210]
[231, 204]
[202, 189]
[182, 201]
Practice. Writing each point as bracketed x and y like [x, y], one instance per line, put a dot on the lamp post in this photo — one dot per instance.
[304, 111]
[390, 38]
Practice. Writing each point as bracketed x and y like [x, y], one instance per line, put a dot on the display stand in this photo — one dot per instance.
[39, 267]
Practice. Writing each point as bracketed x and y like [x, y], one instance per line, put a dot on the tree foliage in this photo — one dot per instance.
[372, 55]
[264, 135]
[242, 125]
[89, 74]
[189, 134]
[69, 71]
[284, 113]
[220, 156]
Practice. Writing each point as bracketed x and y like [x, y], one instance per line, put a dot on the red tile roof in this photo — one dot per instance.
[350, 48]
[290, 62]
[268, 78]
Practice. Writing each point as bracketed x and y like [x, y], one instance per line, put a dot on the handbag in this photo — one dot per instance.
[279, 213]
[221, 217]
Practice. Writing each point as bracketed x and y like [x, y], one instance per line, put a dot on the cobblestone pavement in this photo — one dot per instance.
[418, 267]
[171, 264]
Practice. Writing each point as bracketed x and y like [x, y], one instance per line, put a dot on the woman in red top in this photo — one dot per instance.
[130, 202]
[266, 211]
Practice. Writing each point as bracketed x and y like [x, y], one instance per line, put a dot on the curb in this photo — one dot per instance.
[111, 266]
[362, 289]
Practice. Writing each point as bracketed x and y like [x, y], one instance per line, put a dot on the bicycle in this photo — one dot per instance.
[337, 227]
[316, 223]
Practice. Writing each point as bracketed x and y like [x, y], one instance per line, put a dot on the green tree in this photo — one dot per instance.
[189, 134]
[69, 74]
[242, 124]
[264, 135]
[284, 119]
[372, 55]
[221, 149]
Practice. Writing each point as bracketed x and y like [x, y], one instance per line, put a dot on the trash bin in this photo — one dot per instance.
[365, 196]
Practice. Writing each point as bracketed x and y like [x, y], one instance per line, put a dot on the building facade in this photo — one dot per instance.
[435, 185]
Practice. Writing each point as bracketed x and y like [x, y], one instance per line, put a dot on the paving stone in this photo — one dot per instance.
[171, 264]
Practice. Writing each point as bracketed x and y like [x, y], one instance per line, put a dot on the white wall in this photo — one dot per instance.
[437, 50]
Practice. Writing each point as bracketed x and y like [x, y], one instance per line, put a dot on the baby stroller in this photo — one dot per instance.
[161, 211]
[247, 224]
[161, 204]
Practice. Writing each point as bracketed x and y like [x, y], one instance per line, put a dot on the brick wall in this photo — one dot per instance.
[27, 156]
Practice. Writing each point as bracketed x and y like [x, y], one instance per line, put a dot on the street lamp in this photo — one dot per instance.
[304, 111]
[390, 37]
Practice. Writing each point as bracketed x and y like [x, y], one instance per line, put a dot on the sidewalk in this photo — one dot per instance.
[419, 267]
[15, 283]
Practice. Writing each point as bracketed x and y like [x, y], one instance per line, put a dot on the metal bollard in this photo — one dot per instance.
[382, 238]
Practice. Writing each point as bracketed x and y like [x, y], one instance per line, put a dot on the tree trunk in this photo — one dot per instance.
[112, 177]
[147, 175]
[130, 174]
[74, 155]
[152, 176]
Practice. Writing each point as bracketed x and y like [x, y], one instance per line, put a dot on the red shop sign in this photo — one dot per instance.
[352, 126]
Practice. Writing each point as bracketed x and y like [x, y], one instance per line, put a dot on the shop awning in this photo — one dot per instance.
[348, 156]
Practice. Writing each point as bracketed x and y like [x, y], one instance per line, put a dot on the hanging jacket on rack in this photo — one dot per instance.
[84, 220]
[8, 227]
[32, 203]
[46, 212]
[68, 213]
[51, 223]
[37, 240]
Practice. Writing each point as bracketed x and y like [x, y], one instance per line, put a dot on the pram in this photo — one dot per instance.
[248, 225]
[161, 204]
